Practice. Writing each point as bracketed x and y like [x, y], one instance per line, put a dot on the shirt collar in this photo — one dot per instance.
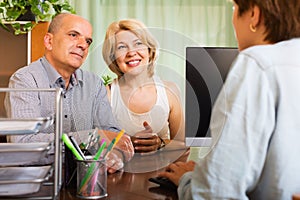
[55, 79]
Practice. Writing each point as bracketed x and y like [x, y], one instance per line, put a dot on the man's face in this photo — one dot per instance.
[68, 46]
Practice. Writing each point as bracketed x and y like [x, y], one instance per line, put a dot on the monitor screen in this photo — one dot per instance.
[206, 71]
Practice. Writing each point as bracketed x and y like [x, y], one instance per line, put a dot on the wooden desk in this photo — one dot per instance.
[132, 183]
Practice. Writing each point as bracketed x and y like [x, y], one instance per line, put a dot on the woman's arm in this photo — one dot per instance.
[176, 117]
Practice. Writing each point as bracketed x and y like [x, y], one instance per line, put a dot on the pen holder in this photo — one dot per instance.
[91, 178]
[70, 170]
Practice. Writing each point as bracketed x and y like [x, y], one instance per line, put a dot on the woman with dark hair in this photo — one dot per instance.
[255, 121]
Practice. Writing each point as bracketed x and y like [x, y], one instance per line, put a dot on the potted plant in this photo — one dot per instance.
[107, 79]
[12, 11]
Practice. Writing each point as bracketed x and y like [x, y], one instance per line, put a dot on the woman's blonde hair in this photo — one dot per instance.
[137, 28]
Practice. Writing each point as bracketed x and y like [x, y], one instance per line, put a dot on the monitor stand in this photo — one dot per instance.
[198, 141]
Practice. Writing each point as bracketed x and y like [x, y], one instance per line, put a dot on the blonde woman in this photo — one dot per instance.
[148, 108]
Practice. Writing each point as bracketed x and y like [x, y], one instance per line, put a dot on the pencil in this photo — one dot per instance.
[114, 142]
[90, 171]
[109, 148]
[121, 133]
[97, 156]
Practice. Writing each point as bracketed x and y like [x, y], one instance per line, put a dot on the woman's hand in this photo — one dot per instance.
[176, 170]
[146, 140]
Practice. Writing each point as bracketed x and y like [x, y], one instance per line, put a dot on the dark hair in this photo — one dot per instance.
[280, 17]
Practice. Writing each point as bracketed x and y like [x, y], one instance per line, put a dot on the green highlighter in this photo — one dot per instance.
[69, 144]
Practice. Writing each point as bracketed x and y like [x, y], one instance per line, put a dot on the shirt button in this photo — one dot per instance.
[66, 116]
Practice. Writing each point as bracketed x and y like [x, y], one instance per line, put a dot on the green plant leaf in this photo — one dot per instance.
[107, 79]
[28, 26]
[5, 27]
[44, 10]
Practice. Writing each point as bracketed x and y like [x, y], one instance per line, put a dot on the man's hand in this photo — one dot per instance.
[114, 162]
[124, 144]
[176, 170]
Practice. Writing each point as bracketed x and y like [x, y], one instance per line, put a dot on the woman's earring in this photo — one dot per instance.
[253, 29]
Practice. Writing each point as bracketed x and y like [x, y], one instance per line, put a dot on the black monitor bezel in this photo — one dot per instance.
[198, 85]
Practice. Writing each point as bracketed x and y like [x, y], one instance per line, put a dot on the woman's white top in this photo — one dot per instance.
[132, 122]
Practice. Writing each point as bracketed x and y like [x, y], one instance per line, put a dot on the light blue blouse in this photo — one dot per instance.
[255, 129]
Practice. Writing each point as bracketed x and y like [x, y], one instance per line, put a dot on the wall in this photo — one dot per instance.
[13, 55]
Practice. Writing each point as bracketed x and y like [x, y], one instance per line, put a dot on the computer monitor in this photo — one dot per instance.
[206, 71]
